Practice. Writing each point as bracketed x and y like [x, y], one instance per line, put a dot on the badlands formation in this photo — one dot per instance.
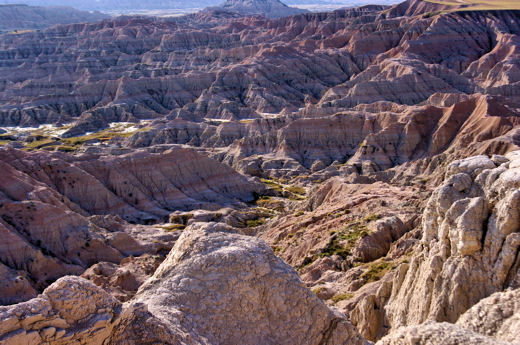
[22, 17]
[349, 177]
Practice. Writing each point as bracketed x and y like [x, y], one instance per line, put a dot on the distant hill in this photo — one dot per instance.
[267, 8]
[24, 17]
[113, 5]
[141, 5]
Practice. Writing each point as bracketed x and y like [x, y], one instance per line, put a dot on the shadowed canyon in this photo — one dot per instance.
[228, 177]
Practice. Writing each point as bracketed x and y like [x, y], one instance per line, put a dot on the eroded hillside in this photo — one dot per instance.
[334, 178]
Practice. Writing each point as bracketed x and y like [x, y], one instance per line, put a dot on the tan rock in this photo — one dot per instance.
[227, 288]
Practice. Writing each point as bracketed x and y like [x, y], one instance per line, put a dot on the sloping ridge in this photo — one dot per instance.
[267, 8]
[417, 7]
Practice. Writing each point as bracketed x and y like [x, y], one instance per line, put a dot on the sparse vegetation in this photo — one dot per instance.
[335, 248]
[376, 271]
[271, 204]
[371, 217]
[318, 290]
[277, 187]
[173, 227]
[342, 297]
[296, 190]
[65, 148]
[253, 223]
[181, 218]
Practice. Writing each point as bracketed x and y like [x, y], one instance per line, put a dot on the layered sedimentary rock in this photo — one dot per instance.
[60, 214]
[23, 17]
[215, 287]
[243, 68]
[468, 251]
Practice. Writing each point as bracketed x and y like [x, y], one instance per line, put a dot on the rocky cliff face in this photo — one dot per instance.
[468, 251]
[494, 320]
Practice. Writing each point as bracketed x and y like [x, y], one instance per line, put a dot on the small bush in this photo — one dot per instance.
[253, 223]
[173, 227]
[180, 218]
[335, 248]
[376, 271]
[342, 297]
[296, 190]
[371, 217]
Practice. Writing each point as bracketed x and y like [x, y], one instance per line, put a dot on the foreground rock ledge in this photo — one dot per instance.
[215, 287]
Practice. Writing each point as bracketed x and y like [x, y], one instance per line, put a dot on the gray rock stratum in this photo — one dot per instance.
[215, 287]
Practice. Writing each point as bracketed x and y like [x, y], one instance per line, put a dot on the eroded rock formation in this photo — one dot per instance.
[215, 287]
[468, 251]
[61, 214]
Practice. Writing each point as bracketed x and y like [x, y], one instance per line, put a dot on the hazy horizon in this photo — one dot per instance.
[173, 7]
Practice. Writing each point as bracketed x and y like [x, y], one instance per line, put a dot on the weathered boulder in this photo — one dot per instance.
[215, 287]
[224, 288]
[72, 310]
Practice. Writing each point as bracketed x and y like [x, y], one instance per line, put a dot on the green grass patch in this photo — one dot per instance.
[270, 203]
[318, 290]
[297, 190]
[253, 223]
[376, 271]
[173, 227]
[64, 148]
[371, 217]
[38, 144]
[335, 248]
[273, 185]
[342, 297]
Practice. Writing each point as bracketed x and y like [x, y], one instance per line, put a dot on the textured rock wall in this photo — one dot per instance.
[469, 250]
[215, 287]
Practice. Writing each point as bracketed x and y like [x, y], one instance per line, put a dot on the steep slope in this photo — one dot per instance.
[60, 214]
[468, 250]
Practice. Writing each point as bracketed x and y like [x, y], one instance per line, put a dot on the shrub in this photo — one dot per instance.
[376, 271]
[342, 297]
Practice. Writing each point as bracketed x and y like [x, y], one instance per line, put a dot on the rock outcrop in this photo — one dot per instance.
[468, 251]
[215, 287]
[494, 320]
[470, 238]
[72, 310]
